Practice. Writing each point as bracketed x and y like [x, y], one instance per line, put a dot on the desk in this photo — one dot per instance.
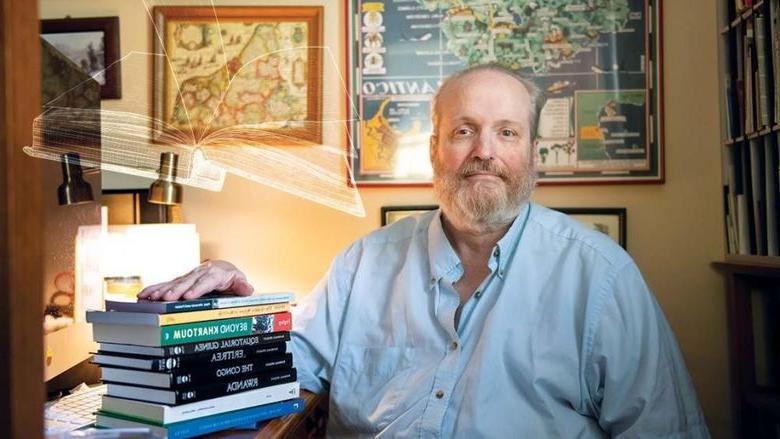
[290, 426]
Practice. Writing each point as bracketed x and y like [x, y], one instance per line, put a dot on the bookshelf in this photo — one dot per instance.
[750, 82]
[749, 58]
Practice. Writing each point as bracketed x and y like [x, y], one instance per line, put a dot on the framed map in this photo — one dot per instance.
[598, 64]
[228, 68]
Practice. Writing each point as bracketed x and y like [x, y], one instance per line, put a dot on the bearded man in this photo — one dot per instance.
[491, 317]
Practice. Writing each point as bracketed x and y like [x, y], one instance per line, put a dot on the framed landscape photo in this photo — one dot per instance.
[608, 220]
[255, 70]
[598, 65]
[93, 45]
[391, 214]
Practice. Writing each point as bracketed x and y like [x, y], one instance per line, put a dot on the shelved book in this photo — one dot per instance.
[182, 372]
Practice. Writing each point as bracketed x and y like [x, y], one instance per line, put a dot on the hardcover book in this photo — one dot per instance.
[166, 414]
[247, 418]
[199, 393]
[191, 332]
[150, 319]
[198, 376]
[195, 348]
[206, 359]
[211, 301]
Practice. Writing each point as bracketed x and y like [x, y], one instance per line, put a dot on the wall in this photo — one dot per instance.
[674, 230]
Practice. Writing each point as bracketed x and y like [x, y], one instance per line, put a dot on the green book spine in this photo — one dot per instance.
[202, 331]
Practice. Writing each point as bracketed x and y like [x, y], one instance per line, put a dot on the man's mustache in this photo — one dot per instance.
[479, 166]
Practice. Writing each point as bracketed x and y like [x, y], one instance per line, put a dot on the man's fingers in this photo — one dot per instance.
[148, 291]
[204, 284]
[182, 286]
[242, 287]
[157, 294]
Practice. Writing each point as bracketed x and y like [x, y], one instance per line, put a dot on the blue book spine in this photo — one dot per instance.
[239, 418]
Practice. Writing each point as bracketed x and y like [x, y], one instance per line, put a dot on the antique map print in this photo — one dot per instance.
[236, 73]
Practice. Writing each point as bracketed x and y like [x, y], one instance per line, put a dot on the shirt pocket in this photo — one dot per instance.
[370, 385]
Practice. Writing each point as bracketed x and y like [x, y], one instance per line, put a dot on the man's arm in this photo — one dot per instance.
[318, 322]
[635, 375]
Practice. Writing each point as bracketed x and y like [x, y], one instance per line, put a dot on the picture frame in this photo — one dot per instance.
[280, 93]
[80, 40]
[602, 121]
[391, 214]
[608, 220]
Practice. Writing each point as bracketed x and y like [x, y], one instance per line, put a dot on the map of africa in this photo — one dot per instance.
[527, 34]
[569, 48]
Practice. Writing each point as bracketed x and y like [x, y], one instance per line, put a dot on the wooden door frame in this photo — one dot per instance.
[21, 298]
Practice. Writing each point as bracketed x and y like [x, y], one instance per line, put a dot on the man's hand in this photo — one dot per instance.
[205, 278]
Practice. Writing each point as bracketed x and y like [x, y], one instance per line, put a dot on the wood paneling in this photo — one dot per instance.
[21, 334]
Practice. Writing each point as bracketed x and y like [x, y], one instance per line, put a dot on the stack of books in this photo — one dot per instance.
[188, 368]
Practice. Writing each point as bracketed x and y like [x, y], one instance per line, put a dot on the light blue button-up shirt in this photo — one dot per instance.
[562, 339]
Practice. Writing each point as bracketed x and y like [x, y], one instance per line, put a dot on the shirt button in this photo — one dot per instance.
[454, 345]
[478, 294]
[439, 394]
[495, 252]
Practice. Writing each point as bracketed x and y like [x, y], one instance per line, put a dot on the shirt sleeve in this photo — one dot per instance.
[317, 323]
[635, 375]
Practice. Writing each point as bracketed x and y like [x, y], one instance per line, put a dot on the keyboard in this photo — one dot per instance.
[73, 411]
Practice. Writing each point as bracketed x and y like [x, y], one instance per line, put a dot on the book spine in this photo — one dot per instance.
[231, 343]
[238, 418]
[263, 299]
[218, 357]
[172, 363]
[165, 414]
[770, 164]
[189, 305]
[199, 376]
[763, 70]
[221, 329]
[222, 313]
[216, 390]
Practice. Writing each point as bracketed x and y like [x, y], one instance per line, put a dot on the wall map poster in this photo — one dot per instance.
[596, 61]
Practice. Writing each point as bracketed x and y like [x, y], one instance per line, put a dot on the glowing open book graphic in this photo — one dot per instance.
[195, 113]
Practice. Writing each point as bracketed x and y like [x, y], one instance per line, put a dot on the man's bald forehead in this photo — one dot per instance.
[457, 79]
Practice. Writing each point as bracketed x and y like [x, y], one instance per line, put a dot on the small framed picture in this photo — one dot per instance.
[93, 45]
[391, 214]
[608, 220]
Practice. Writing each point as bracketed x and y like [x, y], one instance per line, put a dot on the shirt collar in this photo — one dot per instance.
[442, 257]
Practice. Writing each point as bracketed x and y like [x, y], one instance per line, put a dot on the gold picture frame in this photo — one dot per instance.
[255, 69]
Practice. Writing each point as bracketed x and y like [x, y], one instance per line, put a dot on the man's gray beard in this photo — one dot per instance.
[482, 207]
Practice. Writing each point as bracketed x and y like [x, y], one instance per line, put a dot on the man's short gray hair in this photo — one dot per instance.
[534, 94]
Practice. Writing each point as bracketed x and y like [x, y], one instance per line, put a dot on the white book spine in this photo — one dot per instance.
[169, 414]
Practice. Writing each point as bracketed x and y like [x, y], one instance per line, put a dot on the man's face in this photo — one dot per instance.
[482, 163]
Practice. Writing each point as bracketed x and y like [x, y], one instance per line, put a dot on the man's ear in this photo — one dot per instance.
[433, 142]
